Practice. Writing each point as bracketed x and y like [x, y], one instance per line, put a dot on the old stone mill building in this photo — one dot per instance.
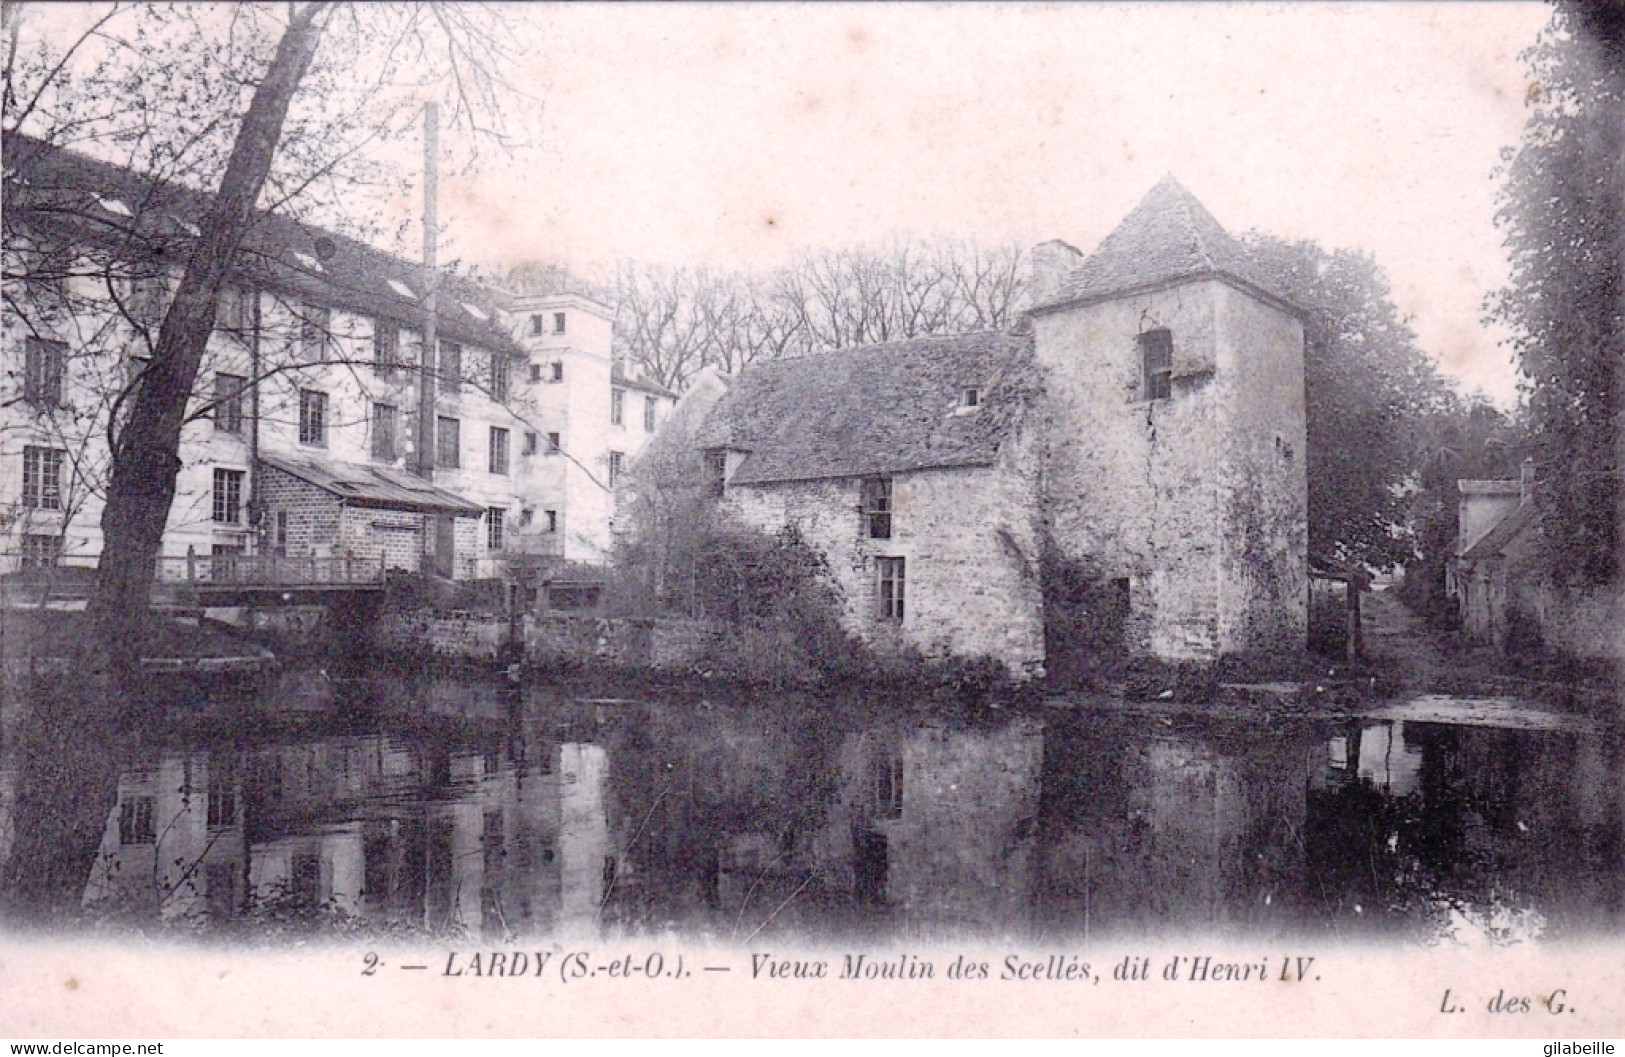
[1125, 470]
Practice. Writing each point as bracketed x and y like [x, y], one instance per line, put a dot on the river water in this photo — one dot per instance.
[462, 806]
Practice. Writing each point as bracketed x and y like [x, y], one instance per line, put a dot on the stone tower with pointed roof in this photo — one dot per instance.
[1173, 448]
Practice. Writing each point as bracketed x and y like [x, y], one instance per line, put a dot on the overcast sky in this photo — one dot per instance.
[736, 135]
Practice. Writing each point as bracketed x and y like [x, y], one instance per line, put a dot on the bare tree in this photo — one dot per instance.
[674, 321]
[261, 108]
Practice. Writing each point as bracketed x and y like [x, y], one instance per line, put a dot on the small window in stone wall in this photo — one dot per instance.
[451, 366]
[887, 772]
[135, 821]
[1157, 363]
[228, 402]
[499, 378]
[386, 347]
[494, 527]
[40, 551]
[228, 496]
[42, 477]
[44, 363]
[315, 332]
[716, 473]
[891, 589]
[877, 508]
[499, 450]
[384, 419]
[448, 443]
[312, 417]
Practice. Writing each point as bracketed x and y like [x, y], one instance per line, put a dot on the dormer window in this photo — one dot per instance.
[115, 206]
[971, 397]
[1157, 364]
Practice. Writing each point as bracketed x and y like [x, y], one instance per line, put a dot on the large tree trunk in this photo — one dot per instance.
[146, 456]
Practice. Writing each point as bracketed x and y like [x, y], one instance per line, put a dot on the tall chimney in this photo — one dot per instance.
[1053, 263]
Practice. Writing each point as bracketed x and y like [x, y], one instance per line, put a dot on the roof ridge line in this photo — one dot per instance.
[1202, 248]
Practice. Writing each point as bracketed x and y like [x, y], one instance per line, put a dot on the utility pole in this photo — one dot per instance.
[431, 348]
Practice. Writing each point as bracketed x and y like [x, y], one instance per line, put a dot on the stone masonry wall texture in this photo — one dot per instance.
[969, 542]
[1197, 499]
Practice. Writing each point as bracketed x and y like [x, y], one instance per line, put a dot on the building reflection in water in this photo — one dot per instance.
[460, 841]
[787, 820]
[937, 826]
[1172, 831]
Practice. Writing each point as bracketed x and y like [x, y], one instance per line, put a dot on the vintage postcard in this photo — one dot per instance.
[1089, 520]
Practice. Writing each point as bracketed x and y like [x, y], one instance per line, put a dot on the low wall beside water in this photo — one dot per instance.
[552, 639]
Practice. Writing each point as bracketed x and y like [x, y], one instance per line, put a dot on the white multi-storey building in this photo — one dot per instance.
[303, 431]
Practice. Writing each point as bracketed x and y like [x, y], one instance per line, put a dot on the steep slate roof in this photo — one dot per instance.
[1169, 237]
[1501, 536]
[67, 192]
[373, 486]
[879, 409]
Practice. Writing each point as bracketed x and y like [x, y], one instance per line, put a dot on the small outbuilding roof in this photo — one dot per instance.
[927, 403]
[1497, 539]
[373, 486]
[1169, 237]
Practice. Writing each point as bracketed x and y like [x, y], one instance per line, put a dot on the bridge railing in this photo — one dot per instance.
[270, 570]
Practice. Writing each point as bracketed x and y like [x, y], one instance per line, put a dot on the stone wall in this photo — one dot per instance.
[552, 639]
[313, 514]
[1263, 476]
[1129, 482]
[969, 542]
[1194, 499]
[394, 535]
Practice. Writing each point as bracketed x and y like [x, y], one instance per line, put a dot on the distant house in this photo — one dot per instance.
[1146, 436]
[1506, 595]
[1495, 582]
